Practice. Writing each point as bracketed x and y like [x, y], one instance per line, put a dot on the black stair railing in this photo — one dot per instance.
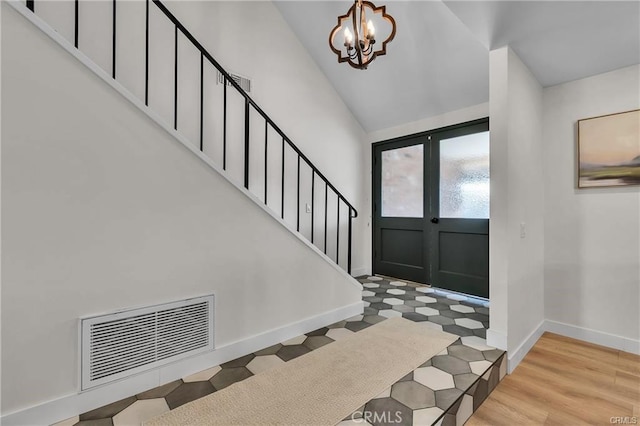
[249, 107]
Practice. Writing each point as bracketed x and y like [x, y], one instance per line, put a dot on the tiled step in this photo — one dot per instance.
[462, 409]
[445, 390]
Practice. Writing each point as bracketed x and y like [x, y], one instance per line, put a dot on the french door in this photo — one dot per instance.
[431, 208]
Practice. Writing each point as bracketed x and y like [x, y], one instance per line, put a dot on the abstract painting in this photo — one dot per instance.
[609, 150]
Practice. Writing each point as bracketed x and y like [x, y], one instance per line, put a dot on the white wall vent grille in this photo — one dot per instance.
[124, 343]
[243, 82]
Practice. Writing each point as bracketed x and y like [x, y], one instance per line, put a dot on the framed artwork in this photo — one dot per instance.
[609, 150]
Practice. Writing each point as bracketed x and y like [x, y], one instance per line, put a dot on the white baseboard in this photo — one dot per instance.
[71, 405]
[496, 339]
[585, 334]
[357, 272]
[516, 356]
[593, 336]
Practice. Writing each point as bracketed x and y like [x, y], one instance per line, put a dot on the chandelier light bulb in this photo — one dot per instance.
[348, 37]
[371, 31]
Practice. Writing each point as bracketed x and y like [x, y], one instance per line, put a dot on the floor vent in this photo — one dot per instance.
[243, 82]
[118, 345]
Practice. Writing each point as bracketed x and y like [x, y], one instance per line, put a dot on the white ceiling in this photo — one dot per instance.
[439, 59]
[559, 41]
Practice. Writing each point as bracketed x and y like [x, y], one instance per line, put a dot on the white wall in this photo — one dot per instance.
[251, 39]
[450, 118]
[102, 209]
[516, 261]
[499, 201]
[526, 201]
[592, 236]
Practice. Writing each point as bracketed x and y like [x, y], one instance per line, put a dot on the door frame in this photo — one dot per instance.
[427, 180]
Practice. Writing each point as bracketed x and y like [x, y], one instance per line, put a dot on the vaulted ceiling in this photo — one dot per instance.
[439, 59]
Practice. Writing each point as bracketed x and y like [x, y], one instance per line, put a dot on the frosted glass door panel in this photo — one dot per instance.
[464, 177]
[402, 182]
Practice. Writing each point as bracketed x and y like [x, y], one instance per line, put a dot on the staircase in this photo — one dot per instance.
[228, 128]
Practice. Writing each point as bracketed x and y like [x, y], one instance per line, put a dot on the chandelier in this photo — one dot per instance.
[359, 42]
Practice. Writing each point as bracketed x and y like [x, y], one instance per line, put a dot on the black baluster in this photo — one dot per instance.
[201, 102]
[175, 79]
[266, 152]
[75, 23]
[338, 233]
[326, 198]
[298, 198]
[282, 198]
[113, 41]
[313, 191]
[246, 143]
[146, 56]
[224, 126]
[349, 246]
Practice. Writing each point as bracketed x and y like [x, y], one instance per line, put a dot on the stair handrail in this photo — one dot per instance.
[229, 79]
[249, 102]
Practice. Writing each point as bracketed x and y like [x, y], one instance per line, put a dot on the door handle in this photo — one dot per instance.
[435, 220]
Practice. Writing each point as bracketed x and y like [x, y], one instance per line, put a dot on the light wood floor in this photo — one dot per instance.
[564, 381]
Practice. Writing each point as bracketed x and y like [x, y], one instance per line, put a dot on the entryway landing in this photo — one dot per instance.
[449, 311]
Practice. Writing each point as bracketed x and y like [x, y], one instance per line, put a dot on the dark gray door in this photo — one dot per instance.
[431, 217]
[401, 243]
[459, 224]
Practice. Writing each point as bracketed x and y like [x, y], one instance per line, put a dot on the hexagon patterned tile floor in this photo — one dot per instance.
[445, 390]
